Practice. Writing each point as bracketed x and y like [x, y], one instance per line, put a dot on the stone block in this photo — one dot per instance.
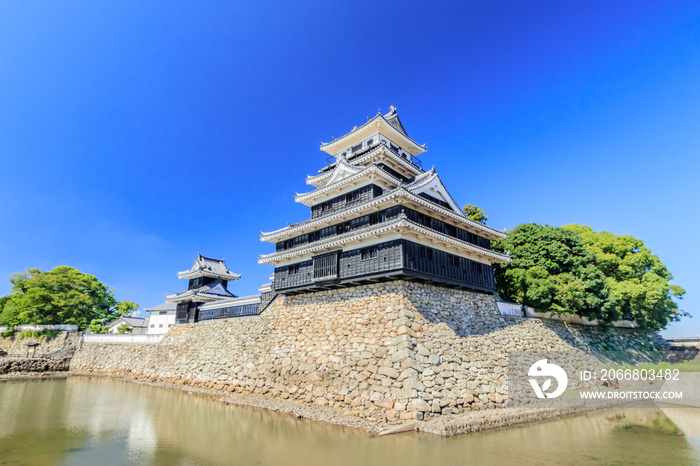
[385, 403]
[418, 405]
[402, 322]
[389, 372]
[402, 354]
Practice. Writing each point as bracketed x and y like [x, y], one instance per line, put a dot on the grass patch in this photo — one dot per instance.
[38, 335]
[685, 366]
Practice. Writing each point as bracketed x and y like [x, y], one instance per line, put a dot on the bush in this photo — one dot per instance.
[39, 335]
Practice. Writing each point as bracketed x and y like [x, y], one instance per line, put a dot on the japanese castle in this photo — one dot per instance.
[377, 215]
[207, 295]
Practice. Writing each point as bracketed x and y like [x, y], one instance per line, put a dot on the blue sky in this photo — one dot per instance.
[134, 135]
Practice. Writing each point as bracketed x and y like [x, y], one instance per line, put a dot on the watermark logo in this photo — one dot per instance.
[544, 369]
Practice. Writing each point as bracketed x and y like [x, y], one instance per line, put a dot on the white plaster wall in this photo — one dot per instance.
[160, 324]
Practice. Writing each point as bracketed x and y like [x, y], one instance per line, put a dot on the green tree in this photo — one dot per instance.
[124, 328]
[63, 295]
[552, 271]
[638, 281]
[475, 213]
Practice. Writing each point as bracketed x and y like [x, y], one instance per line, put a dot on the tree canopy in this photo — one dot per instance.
[638, 281]
[574, 270]
[63, 295]
[475, 213]
[551, 271]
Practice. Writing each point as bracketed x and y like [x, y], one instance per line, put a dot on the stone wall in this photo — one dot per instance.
[17, 366]
[64, 342]
[390, 350]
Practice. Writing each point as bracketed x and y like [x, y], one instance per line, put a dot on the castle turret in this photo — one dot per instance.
[377, 215]
[208, 282]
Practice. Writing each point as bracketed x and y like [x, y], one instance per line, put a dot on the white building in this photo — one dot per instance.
[162, 317]
[132, 325]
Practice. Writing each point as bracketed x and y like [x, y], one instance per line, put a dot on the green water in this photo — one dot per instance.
[102, 422]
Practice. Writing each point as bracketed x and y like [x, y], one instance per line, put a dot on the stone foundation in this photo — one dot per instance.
[397, 350]
[32, 365]
[63, 342]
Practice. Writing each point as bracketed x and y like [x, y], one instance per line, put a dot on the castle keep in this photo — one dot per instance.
[382, 304]
[376, 215]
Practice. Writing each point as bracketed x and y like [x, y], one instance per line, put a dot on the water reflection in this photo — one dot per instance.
[102, 421]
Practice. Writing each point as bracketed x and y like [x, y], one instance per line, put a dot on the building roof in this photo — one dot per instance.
[135, 322]
[163, 307]
[393, 119]
[230, 302]
[431, 183]
[401, 224]
[402, 191]
[378, 152]
[391, 125]
[208, 267]
[210, 292]
[372, 172]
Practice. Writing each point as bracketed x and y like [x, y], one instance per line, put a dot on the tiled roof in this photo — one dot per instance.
[133, 321]
[208, 267]
[490, 231]
[372, 231]
[208, 292]
[240, 300]
[393, 119]
[163, 307]
[394, 123]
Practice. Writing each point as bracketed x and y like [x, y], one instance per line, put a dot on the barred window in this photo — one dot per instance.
[352, 196]
[326, 266]
[342, 228]
[369, 253]
[293, 269]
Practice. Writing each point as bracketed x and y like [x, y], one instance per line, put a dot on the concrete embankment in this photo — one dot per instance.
[386, 352]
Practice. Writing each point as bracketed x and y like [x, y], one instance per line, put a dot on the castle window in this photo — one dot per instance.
[293, 269]
[370, 141]
[326, 266]
[356, 148]
[352, 197]
[342, 228]
[426, 253]
[369, 253]
[424, 220]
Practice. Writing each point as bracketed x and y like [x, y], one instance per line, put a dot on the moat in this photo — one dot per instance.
[80, 420]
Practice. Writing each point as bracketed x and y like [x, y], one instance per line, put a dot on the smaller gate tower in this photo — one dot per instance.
[208, 282]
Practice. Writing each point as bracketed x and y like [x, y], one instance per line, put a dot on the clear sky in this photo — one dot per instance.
[134, 135]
